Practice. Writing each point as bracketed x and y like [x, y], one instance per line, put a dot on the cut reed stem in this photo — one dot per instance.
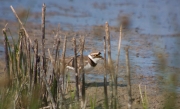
[43, 37]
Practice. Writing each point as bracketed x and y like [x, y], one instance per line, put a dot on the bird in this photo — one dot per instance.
[90, 62]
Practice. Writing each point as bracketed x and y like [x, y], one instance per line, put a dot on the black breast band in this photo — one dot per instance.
[91, 62]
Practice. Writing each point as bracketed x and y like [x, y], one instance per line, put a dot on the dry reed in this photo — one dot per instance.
[83, 105]
[108, 44]
[128, 79]
[6, 52]
[105, 77]
[76, 70]
[43, 37]
[63, 64]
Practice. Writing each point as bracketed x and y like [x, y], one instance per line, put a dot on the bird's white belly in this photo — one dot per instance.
[88, 68]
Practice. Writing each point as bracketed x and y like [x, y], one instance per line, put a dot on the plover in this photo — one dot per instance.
[90, 62]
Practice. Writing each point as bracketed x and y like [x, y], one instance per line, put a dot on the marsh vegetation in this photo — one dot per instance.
[35, 72]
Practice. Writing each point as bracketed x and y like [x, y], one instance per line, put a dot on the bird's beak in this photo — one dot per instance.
[102, 57]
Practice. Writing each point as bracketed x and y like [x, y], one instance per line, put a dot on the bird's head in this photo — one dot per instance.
[96, 56]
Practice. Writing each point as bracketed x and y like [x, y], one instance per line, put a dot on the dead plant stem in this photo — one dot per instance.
[43, 37]
[49, 93]
[21, 24]
[108, 44]
[6, 52]
[128, 79]
[76, 70]
[105, 77]
[63, 63]
[82, 72]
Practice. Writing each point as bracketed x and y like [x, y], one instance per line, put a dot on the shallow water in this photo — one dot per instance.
[149, 17]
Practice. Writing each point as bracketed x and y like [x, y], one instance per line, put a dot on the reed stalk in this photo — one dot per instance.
[36, 61]
[110, 67]
[105, 77]
[55, 69]
[57, 51]
[117, 67]
[22, 26]
[57, 92]
[108, 44]
[43, 37]
[24, 58]
[29, 42]
[29, 61]
[144, 99]
[119, 47]
[53, 79]
[63, 64]
[76, 70]
[128, 79]
[45, 86]
[54, 105]
[6, 52]
[82, 73]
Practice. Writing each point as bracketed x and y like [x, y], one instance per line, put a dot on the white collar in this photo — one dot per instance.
[91, 58]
